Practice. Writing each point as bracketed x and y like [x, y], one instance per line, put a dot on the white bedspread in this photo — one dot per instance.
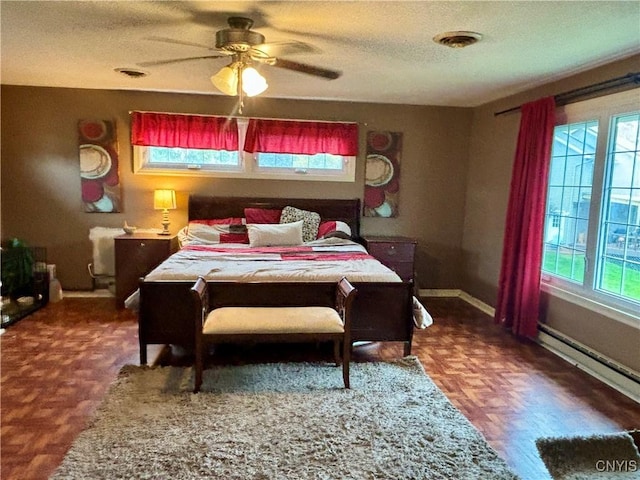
[321, 261]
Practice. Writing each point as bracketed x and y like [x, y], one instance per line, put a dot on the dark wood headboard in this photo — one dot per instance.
[202, 207]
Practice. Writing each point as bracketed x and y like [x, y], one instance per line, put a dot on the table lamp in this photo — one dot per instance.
[164, 200]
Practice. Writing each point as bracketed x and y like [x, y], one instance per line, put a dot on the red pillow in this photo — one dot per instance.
[262, 215]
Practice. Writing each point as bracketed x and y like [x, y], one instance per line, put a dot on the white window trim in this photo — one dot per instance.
[590, 298]
[247, 169]
[604, 309]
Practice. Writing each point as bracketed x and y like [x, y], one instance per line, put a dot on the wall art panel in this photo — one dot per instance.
[99, 166]
[382, 174]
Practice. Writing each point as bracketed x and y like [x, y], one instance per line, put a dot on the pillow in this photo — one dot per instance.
[221, 221]
[334, 228]
[262, 215]
[204, 233]
[311, 221]
[275, 234]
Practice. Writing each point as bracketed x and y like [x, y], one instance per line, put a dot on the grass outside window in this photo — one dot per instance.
[618, 277]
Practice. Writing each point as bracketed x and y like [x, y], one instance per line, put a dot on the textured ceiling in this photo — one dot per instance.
[384, 49]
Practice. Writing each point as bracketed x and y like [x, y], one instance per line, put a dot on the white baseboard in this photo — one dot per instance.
[101, 292]
[479, 304]
[457, 293]
[596, 368]
[439, 292]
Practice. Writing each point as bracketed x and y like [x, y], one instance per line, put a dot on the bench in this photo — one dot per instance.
[258, 324]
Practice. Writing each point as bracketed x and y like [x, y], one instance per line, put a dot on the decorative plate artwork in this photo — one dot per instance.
[380, 141]
[382, 174]
[94, 130]
[98, 152]
[95, 162]
[379, 170]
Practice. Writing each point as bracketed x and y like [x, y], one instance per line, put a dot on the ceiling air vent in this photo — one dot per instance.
[457, 39]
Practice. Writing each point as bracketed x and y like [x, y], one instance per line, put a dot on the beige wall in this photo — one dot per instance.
[41, 184]
[492, 149]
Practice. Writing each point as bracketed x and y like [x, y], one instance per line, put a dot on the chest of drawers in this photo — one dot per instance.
[397, 253]
[136, 255]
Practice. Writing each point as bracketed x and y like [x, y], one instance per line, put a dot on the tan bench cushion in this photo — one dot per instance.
[241, 320]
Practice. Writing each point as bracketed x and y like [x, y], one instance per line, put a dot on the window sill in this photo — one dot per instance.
[593, 305]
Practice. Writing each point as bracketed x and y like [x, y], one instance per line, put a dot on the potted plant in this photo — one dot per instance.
[16, 267]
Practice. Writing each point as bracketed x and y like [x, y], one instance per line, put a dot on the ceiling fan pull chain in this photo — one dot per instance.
[240, 91]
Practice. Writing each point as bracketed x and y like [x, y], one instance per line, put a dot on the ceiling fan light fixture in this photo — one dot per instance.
[252, 82]
[226, 80]
[457, 39]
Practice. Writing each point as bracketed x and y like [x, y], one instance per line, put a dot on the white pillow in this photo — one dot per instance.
[275, 234]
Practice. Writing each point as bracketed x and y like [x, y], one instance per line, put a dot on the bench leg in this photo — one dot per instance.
[143, 353]
[346, 358]
[336, 351]
[198, 367]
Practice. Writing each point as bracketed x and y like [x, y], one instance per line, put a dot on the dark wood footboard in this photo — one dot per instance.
[381, 311]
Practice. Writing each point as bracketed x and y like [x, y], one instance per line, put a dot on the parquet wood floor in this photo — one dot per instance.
[57, 364]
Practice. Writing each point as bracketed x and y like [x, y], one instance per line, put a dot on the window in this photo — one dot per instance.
[153, 156]
[619, 255]
[592, 220]
[569, 199]
[191, 158]
[320, 163]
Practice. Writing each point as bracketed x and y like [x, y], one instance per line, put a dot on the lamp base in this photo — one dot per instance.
[165, 223]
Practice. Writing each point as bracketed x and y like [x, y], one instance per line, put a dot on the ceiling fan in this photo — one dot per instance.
[246, 47]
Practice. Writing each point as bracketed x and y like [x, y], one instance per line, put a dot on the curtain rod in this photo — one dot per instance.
[573, 95]
[243, 117]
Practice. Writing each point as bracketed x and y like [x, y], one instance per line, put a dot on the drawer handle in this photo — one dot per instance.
[142, 244]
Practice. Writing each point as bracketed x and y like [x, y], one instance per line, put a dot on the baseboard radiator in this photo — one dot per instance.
[614, 374]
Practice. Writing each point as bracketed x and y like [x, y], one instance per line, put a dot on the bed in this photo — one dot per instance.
[239, 274]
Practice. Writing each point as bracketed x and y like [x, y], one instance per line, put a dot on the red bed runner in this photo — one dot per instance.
[285, 253]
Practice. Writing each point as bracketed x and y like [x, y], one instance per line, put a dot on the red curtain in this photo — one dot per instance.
[283, 136]
[519, 286]
[185, 131]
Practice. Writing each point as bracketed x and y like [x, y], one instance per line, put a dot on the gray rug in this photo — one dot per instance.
[280, 421]
[595, 457]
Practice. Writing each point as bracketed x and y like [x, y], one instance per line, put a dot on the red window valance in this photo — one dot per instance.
[309, 138]
[184, 131]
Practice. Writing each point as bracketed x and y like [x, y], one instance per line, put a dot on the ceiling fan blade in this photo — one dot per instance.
[178, 60]
[304, 68]
[178, 42]
[277, 49]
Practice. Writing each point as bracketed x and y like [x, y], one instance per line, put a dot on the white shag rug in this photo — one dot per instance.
[280, 421]
[593, 457]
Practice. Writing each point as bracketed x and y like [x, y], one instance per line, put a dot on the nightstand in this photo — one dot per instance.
[136, 255]
[397, 253]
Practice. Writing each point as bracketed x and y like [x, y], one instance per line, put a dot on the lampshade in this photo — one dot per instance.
[226, 80]
[164, 199]
[252, 82]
